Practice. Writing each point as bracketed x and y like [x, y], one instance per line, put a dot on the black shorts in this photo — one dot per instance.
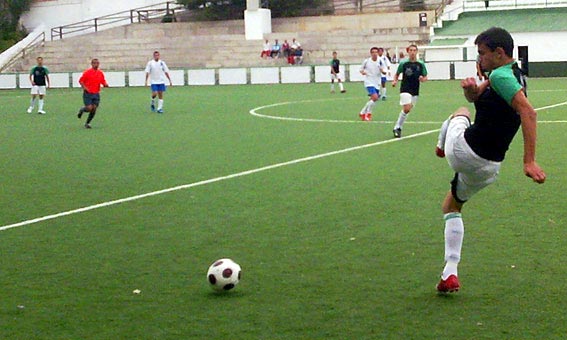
[91, 98]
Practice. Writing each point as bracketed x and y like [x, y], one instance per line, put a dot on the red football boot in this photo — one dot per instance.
[450, 285]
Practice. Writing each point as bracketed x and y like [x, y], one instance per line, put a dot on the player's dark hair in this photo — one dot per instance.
[495, 37]
[380, 49]
[412, 45]
[374, 48]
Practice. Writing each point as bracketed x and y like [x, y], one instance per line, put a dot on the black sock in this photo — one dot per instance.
[91, 116]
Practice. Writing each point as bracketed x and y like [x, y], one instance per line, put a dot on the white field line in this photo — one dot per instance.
[239, 174]
[208, 181]
[254, 112]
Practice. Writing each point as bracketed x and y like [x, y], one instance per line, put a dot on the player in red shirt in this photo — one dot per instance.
[90, 81]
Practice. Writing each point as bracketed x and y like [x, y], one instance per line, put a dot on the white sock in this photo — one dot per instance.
[160, 104]
[365, 108]
[443, 134]
[332, 86]
[40, 107]
[32, 103]
[401, 119]
[341, 86]
[383, 91]
[454, 232]
[368, 107]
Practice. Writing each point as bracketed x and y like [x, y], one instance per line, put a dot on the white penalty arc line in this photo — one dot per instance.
[254, 112]
[209, 181]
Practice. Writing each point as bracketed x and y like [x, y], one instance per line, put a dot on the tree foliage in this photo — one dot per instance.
[10, 13]
[234, 9]
[292, 8]
[216, 9]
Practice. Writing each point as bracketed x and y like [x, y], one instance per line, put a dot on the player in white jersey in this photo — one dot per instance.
[385, 72]
[157, 72]
[371, 69]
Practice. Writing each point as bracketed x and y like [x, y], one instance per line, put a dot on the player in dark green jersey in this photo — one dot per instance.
[336, 73]
[39, 79]
[414, 72]
[476, 151]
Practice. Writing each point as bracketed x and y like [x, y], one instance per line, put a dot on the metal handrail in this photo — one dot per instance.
[38, 40]
[472, 5]
[127, 17]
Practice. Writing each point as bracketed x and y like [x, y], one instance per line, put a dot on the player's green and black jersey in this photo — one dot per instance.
[411, 71]
[335, 63]
[39, 73]
[496, 122]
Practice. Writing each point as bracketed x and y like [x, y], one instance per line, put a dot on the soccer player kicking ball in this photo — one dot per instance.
[476, 151]
[90, 81]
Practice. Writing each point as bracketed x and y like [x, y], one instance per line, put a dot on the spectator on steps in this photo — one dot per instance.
[293, 47]
[276, 50]
[298, 58]
[285, 49]
[266, 50]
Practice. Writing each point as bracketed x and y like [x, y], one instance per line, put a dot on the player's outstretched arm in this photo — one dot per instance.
[395, 79]
[528, 117]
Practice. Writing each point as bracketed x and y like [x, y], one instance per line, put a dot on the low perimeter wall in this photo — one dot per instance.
[239, 76]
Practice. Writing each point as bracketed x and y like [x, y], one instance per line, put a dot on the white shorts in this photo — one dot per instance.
[336, 76]
[38, 90]
[472, 172]
[407, 98]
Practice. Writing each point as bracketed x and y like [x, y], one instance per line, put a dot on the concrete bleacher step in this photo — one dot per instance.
[212, 44]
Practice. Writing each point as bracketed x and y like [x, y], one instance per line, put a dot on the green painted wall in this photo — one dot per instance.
[548, 69]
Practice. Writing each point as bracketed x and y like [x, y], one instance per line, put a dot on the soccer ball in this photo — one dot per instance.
[224, 274]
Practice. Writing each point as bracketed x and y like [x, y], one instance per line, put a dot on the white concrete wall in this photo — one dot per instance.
[323, 73]
[440, 70]
[465, 69]
[59, 80]
[297, 74]
[56, 13]
[543, 46]
[136, 78]
[265, 75]
[201, 77]
[7, 81]
[232, 76]
[437, 71]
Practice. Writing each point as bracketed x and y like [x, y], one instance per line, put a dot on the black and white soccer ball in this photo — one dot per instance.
[224, 274]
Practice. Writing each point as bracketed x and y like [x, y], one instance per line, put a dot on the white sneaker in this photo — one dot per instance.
[30, 109]
[41, 112]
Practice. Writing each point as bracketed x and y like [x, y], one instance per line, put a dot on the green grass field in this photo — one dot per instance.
[337, 226]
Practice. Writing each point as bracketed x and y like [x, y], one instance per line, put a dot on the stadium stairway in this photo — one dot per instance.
[215, 44]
